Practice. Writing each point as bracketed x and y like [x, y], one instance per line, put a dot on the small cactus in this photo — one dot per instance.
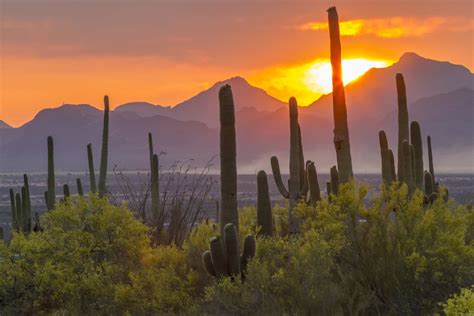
[90, 159]
[334, 180]
[313, 184]
[66, 192]
[80, 192]
[385, 157]
[429, 186]
[393, 171]
[51, 178]
[223, 258]
[105, 149]
[264, 206]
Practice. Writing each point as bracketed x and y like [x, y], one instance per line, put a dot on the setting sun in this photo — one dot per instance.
[310, 80]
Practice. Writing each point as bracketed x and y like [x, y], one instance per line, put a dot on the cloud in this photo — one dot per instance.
[395, 27]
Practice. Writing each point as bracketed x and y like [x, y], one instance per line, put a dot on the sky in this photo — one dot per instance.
[163, 52]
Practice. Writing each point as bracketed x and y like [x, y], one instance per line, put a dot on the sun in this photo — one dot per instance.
[308, 81]
[318, 76]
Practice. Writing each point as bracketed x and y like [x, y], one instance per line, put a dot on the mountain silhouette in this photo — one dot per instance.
[440, 97]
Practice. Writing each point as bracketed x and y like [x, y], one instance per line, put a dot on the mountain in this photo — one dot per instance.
[3, 124]
[262, 125]
[374, 94]
[204, 107]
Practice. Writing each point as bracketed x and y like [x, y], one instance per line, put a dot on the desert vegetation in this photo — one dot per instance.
[405, 249]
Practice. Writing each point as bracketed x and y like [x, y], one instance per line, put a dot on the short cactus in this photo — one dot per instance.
[385, 158]
[80, 192]
[264, 206]
[334, 180]
[313, 184]
[66, 191]
[51, 178]
[223, 259]
[90, 159]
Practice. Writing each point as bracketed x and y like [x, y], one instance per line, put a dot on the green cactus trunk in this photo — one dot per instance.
[341, 129]
[403, 128]
[415, 135]
[155, 190]
[277, 177]
[218, 257]
[250, 247]
[13, 210]
[90, 159]
[407, 166]
[385, 157]
[105, 149]
[412, 160]
[313, 184]
[66, 191]
[430, 160]
[28, 202]
[334, 180]
[294, 182]
[429, 185]
[228, 149]
[264, 207]
[19, 210]
[303, 180]
[231, 240]
[24, 210]
[51, 176]
[393, 170]
[80, 192]
[328, 188]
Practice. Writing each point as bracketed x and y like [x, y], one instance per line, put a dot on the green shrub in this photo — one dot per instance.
[460, 304]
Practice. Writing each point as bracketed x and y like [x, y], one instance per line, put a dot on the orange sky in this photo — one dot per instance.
[164, 52]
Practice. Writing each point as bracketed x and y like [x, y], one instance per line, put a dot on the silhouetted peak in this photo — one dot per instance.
[4, 124]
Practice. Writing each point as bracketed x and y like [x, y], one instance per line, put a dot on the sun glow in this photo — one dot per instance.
[310, 80]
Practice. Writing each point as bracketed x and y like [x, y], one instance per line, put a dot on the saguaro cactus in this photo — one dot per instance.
[334, 180]
[415, 135]
[294, 191]
[430, 159]
[228, 149]
[313, 184]
[403, 129]
[385, 157]
[407, 166]
[341, 129]
[223, 258]
[105, 149]
[264, 207]
[28, 201]
[66, 191]
[90, 159]
[13, 210]
[80, 192]
[51, 177]
[155, 189]
[429, 185]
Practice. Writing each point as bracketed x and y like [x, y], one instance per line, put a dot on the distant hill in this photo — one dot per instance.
[190, 130]
[3, 124]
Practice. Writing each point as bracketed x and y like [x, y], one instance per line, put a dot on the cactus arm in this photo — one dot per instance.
[27, 201]
[393, 171]
[341, 129]
[430, 159]
[385, 157]
[231, 241]
[105, 149]
[228, 148]
[301, 163]
[277, 177]
[429, 186]
[248, 253]
[294, 182]
[264, 207]
[90, 159]
[150, 149]
[218, 257]
[314, 190]
[407, 166]
[24, 211]
[155, 190]
[51, 177]
[415, 138]
[207, 263]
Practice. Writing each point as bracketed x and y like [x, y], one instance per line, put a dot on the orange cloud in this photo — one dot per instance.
[395, 27]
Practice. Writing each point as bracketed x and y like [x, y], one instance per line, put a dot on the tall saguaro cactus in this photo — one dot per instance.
[228, 151]
[407, 170]
[28, 201]
[403, 129]
[155, 189]
[430, 160]
[105, 149]
[90, 159]
[264, 206]
[51, 178]
[385, 157]
[415, 136]
[294, 191]
[341, 129]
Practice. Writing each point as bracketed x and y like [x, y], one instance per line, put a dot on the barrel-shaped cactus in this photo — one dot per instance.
[385, 158]
[341, 129]
[51, 176]
[90, 159]
[228, 151]
[105, 149]
[403, 128]
[264, 206]
[415, 138]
